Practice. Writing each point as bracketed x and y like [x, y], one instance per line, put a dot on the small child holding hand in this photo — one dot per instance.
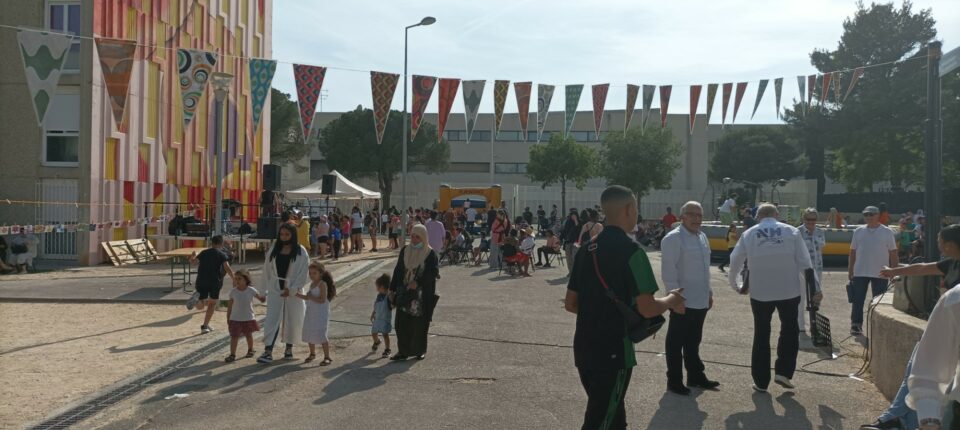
[240, 316]
[381, 315]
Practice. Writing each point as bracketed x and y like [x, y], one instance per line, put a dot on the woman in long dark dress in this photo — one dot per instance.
[414, 286]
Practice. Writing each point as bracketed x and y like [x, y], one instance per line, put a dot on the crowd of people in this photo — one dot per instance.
[611, 288]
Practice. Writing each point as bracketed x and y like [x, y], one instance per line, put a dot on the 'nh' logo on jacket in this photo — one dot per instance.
[769, 236]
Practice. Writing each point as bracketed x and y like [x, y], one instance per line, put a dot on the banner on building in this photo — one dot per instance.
[727, 91]
[857, 74]
[422, 88]
[599, 103]
[383, 86]
[43, 55]
[665, 91]
[472, 94]
[116, 61]
[448, 92]
[195, 67]
[572, 101]
[741, 90]
[760, 90]
[648, 92]
[694, 103]
[522, 91]
[633, 92]
[500, 90]
[309, 81]
[261, 77]
[544, 96]
[777, 92]
[711, 95]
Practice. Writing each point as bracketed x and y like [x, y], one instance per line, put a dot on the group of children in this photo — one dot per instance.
[241, 319]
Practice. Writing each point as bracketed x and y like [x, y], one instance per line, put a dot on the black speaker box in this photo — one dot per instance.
[267, 227]
[271, 177]
[329, 186]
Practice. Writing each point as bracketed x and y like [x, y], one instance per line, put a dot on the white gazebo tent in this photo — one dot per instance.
[346, 190]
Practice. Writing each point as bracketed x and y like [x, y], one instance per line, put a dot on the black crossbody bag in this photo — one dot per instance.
[638, 326]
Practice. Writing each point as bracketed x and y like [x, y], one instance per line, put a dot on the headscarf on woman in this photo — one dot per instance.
[414, 257]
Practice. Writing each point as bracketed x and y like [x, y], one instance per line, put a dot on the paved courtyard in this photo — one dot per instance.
[500, 357]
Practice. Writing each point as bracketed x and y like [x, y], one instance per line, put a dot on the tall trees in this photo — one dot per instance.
[641, 161]
[756, 154]
[561, 160]
[877, 134]
[286, 140]
[349, 145]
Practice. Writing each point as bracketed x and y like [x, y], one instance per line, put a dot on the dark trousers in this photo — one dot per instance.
[787, 346]
[859, 286]
[543, 252]
[336, 248]
[411, 333]
[683, 346]
[605, 389]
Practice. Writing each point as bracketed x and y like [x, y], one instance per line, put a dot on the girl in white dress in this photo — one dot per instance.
[317, 317]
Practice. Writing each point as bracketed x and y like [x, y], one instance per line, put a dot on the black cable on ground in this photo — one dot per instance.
[801, 369]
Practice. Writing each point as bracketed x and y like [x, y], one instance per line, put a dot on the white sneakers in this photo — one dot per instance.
[784, 382]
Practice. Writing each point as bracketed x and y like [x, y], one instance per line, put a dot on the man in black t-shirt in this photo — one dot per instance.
[602, 351]
[209, 279]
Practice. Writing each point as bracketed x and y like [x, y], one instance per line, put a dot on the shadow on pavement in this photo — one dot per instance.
[172, 322]
[830, 418]
[152, 345]
[355, 377]
[559, 281]
[765, 417]
[678, 412]
[203, 379]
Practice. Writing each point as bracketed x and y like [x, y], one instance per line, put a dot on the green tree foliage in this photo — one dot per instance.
[756, 154]
[286, 139]
[876, 135]
[349, 145]
[640, 160]
[560, 161]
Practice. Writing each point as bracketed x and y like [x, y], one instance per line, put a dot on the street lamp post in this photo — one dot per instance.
[221, 88]
[403, 178]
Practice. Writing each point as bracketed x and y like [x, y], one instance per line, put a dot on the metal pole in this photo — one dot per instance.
[218, 212]
[493, 131]
[932, 146]
[403, 176]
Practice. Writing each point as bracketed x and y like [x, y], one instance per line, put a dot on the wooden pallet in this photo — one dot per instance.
[135, 251]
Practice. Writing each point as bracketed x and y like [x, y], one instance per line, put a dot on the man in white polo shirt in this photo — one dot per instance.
[685, 263]
[873, 246]
[777, 259]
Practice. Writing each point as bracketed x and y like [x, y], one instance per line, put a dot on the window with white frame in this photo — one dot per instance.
[61, 125]
[64, 17]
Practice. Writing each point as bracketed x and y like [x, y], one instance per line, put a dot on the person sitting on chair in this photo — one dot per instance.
[483, 247]
[551, 248]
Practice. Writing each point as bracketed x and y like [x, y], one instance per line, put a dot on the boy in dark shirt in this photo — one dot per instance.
[209, 279]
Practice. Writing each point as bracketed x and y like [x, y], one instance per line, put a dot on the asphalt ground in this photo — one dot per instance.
[500, 356]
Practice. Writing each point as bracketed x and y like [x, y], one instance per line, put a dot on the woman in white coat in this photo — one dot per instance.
[285, 273]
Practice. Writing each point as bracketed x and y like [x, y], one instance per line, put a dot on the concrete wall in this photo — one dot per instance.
[893, 337]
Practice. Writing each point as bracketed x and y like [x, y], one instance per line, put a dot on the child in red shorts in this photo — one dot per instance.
[240, 316]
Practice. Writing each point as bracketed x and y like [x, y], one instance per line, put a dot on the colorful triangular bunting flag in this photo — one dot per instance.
[694, 103]
[572, 101]
[599, 102]
[633, 91]
[778, 91]
[741, 89]
[472, 94]
[116, 61]
[383, 86]
[522, 91]
[309, 81]
[711, 95]
[857, 73]
[448, 91]
[500, 90]
[825, 90]
[665, 91]
[760, 90]
[195, 67]
[802, 83]
[422, 89]
[44, 55]
[261, 76]
[648, 92]
[727, 90]
[544, 96]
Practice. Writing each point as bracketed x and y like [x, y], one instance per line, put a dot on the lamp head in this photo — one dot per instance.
[427, 20]
[727, 180]
[782, 182]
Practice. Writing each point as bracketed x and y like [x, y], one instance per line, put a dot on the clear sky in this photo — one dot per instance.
[570, 42]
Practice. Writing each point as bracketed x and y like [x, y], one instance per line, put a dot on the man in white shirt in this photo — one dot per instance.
[935, 364]
[471, 219]
[778, 259]
[435, 232]
[873, 246]
[686, 264]
[727, 209]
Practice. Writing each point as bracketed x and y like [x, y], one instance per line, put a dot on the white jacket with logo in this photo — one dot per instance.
[777, 258]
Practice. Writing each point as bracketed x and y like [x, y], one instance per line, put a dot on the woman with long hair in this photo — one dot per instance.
[284, 275]
[413, 288]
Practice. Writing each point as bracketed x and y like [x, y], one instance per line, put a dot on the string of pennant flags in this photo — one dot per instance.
[70, 227]
[44, 54]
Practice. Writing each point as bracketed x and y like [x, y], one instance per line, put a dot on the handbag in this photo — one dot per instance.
[638, 326]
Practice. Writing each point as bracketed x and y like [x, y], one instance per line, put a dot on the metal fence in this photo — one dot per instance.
[897, 202]
[58, 245]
